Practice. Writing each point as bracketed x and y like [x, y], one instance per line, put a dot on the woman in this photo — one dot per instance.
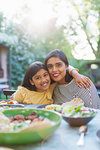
[66, 88]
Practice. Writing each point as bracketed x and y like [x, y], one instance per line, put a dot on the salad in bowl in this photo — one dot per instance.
[77, 112]
[77, 116]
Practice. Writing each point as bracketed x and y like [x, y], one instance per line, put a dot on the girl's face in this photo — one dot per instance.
[41, 80]
[57, 69]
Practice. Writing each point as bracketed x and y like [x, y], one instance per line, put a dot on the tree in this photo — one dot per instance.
[91, 9]
[82, 24]
[32, 47]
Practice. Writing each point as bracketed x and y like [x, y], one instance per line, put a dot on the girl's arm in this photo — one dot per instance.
[79, 79]
[18, 96]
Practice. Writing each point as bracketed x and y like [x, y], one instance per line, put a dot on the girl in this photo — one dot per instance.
[66, 88]
[35, 88]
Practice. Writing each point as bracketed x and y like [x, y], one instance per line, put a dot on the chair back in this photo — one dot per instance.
[8, 93]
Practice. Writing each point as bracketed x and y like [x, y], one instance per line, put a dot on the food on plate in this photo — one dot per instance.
[4, 107]
[36, 124]
[10, 102]
[74, 102]
[19, 123]
[7, 102]
[55, 107]
[79, 111]
[5, 125]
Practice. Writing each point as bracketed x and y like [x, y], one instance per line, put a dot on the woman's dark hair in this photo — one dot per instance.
[59, 54]
[31, 71]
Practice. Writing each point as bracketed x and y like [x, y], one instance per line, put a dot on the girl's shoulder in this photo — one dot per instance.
[22, 89]
[53, 84]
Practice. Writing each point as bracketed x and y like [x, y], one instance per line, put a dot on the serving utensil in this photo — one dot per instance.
[82, 131]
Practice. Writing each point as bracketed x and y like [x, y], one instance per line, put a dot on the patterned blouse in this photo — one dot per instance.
[66, 92]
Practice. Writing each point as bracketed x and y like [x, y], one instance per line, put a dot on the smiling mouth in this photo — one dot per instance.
[56, 75]
[44, 84]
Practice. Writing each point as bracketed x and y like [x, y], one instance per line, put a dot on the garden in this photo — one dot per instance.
[78, 35]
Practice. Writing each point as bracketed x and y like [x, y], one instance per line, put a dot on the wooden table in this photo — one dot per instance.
[66, 137]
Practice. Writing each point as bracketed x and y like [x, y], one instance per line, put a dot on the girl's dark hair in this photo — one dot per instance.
[59, 54]
[31, 71]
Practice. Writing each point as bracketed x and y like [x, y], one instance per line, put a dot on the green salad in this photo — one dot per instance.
[80, 111]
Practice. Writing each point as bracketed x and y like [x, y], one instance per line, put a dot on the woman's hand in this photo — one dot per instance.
[81, 79]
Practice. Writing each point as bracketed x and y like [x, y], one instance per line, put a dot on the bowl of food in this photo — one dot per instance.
[25, 126]
[77, 116]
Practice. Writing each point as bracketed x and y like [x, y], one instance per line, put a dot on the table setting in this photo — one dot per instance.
[9, 104]
[64, 136]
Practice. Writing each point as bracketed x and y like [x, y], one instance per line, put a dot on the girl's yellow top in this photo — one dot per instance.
[25, 96]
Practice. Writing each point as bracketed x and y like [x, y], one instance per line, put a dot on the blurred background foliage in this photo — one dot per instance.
[28, 46]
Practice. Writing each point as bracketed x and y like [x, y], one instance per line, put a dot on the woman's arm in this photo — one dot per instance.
[79, 79]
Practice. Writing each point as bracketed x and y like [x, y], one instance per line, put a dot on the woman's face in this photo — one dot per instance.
[57, 69]
[41, 80]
